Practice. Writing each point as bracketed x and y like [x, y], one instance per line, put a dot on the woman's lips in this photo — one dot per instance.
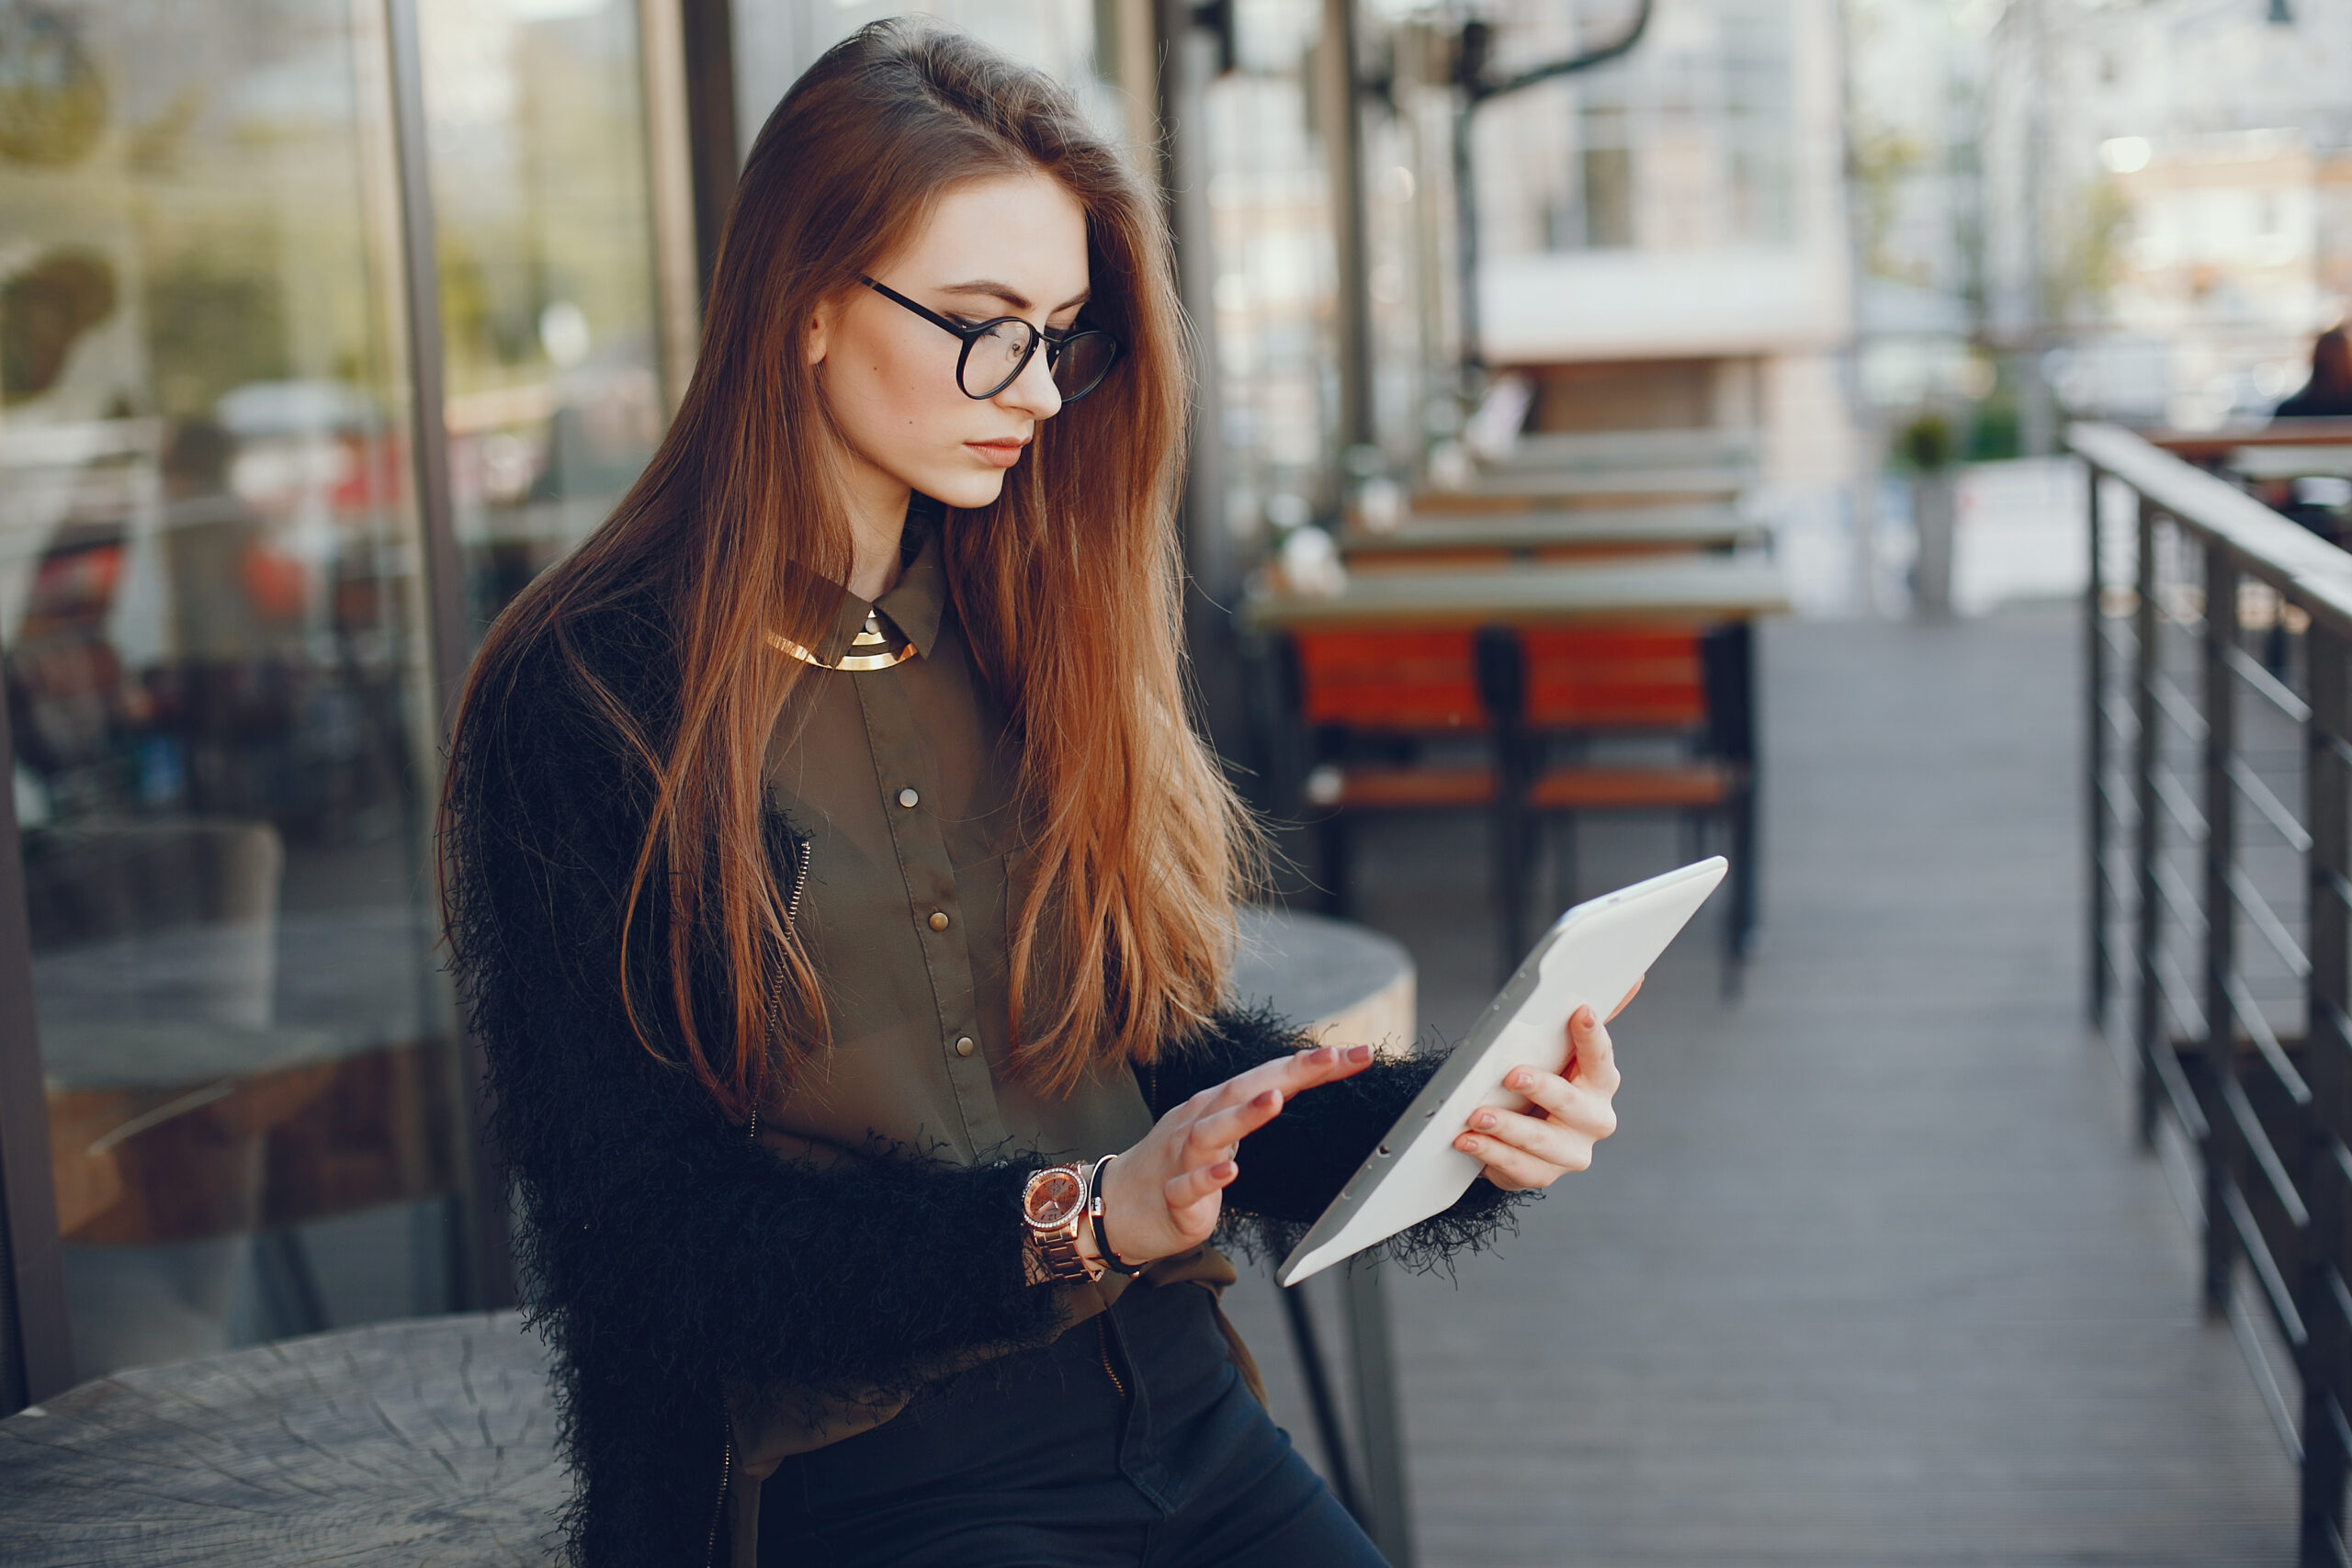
[999, 453]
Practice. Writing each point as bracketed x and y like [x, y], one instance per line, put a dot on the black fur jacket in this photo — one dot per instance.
[664, 1256]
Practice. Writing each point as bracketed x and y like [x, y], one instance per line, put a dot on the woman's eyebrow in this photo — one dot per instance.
[1011, 295]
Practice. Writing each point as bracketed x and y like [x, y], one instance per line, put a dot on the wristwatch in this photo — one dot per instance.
[1055, 1205]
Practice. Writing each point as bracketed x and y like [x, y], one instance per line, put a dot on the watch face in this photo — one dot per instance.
[1053, 1198]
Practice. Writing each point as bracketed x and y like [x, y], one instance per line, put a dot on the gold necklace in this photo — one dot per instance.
[869, 636]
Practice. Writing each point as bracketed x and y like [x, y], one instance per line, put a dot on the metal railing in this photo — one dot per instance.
[2218, 655]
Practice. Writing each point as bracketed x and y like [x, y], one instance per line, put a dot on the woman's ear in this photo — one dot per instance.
[814, 335]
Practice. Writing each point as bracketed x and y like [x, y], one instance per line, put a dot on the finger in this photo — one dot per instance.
[1561, 1142]
[1299, 1070]
[1593, 1060]
[1213, 1137]
[1200, 1182]
[1621, 1006]
[1514, 1168]
[1586, 1110]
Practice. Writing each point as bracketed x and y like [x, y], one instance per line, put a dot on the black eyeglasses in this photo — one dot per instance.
[996, 352]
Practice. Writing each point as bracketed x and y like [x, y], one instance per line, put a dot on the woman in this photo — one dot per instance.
[2328, 393]
[836, 881]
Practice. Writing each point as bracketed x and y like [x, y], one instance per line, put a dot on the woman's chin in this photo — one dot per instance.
[964, 490]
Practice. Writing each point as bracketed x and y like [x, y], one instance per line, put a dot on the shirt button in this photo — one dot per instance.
[907, 797]
[939, 919]
[963, 1046]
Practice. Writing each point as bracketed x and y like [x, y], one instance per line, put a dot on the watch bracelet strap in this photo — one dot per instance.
[1064, 1263]
[1111, 1260]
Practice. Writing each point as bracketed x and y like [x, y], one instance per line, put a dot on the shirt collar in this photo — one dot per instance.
[915, 603]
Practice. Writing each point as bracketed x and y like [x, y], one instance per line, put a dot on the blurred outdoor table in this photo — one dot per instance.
[1345, 983]
[2263, 462]
[1530, 489]
[1735, 452]
[1435, 538]
[1697, 589]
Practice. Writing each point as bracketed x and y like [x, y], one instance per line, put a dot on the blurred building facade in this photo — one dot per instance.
[1664, 241]
[2134, 211]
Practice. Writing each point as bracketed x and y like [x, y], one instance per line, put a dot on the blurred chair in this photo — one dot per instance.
[1631, 718]
[1405, 720]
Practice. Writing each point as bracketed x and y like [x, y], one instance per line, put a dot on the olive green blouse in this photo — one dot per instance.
[903, 782]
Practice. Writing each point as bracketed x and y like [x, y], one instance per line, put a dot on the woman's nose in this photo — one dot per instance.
[1033, 392]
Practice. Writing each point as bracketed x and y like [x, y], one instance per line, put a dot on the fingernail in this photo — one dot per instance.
[1226, 1171]
[1325, 1054]
[1271, 1100]
[1485, 1119]
[1359, 1053]
[1468, 1146]
[1523, 1079]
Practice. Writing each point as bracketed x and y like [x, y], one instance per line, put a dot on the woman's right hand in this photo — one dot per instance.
[1163, 1196]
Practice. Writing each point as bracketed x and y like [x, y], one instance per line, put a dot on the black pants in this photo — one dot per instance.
[1129, 1441]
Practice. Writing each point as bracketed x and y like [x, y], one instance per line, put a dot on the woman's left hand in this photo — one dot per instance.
[1569, 1114]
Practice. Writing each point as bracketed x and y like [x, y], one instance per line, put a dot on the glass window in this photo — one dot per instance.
[1688, 143]
[210, 623]
[1276, 272]
[541, 198]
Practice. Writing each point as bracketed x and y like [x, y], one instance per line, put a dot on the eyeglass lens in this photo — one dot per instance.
[1001, 353]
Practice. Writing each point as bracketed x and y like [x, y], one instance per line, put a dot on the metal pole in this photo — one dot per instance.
[2094, 717]
[1465, 247]
[482, 1259]
[2149, 1022]
[36, 1340]
[2320, 1174]
[1342, 119]
[1309, 1347]
[2220, 1151]
[707, 43]
[1380, 1430]
[670, 188]
[2321, 1178]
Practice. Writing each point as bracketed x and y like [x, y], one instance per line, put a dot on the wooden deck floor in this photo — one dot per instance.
[1872, 1274]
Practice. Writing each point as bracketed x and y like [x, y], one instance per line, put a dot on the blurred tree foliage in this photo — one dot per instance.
[1883, 159]
[44, 309]
[52, 99]
[2077, 284]
[1926, 445]
[216, 319]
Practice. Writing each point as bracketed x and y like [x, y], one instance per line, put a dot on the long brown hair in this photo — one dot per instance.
[1066, 587]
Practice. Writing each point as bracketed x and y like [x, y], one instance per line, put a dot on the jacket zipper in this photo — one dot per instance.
[718, 1504]
[791, 920]
[1102, 1332]
[752, 1135]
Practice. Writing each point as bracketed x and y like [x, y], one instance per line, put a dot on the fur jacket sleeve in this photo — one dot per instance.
[670, 1261]
[1296, 1165]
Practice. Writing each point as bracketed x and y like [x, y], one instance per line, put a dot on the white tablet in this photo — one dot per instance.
[1594, 953]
